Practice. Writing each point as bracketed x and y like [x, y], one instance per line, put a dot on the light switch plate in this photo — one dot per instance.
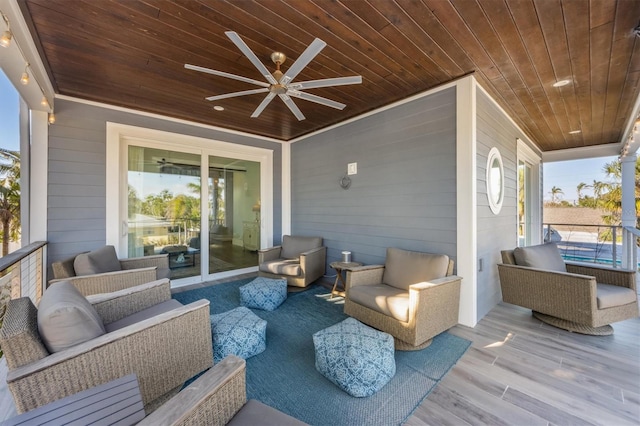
[352, 169]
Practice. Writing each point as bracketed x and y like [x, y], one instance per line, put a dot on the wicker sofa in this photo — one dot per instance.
[164, 342]
[413, 297]
[569, 295]
[216, 398]
[106, 273]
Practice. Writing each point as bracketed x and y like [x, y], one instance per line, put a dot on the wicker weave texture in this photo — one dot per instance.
[163, 351]
[213, 399]
[110, 281]
[19, 336]
[312, 264]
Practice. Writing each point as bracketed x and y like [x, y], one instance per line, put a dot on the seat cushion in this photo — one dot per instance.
[543, 256]
[290, 267]
[293, 246]
[609, 296]
[403, 268]
[66, 318]
[150, 312]
[256, 413]
[388, 300]
[98, 261]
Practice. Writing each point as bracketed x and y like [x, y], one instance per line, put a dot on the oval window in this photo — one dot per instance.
[495, 180]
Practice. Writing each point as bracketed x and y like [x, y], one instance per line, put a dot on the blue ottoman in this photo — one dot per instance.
[239, 332]
[357, 358]
[263, 293]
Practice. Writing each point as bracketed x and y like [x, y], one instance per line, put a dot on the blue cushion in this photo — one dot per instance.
[357, 358]
[239, 332]
[264, 293]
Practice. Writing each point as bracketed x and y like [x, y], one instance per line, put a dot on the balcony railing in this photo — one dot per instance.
[23, 273]
[612, 245]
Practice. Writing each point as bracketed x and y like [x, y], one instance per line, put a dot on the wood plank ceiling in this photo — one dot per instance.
[131, 53]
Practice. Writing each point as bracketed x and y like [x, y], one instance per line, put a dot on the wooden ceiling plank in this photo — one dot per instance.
[601, 12]
[601, 38]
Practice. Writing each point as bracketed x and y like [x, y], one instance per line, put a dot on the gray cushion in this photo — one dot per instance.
[293, 246]
[66, 318]
[290, 267]
[382, 298]
[543, 256]
[151, 312]
[256, 413]
[97, 261]
[609, 296]
[403, 268]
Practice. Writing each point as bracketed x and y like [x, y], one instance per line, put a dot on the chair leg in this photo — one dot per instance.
[605, 330]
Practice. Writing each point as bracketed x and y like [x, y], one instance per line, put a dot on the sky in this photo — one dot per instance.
[566, 175]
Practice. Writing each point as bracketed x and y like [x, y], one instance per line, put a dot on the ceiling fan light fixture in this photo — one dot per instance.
[561, 83]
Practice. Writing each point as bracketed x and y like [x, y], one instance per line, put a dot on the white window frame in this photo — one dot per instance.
[529, 156]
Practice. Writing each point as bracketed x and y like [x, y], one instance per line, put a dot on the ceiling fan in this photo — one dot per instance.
[279, 83]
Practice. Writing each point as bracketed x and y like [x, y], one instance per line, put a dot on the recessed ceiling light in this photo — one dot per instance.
[218, 108]
[575, 132]
[561, 83]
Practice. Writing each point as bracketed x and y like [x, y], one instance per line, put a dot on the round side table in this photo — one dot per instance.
[339, 267]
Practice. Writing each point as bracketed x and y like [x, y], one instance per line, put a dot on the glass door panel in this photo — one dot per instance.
[164, 207]
[524, 204]
[234, 213]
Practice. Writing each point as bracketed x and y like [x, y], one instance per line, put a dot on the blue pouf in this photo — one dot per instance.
[239, 332]
[357, 358]
[263, 293]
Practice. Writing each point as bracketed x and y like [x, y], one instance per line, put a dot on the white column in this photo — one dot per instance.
[286, 190]
[629, 213]
[38, 174]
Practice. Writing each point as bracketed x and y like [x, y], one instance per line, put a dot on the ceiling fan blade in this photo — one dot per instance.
[235, 38]
[226, 74]
[294, 109]
[340, 81]
[307, 56]
[234, 94]
[316, 99]
[263, 104]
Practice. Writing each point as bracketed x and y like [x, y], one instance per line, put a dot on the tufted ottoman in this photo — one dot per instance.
[239, 332]
[264, 293]
[357, 358]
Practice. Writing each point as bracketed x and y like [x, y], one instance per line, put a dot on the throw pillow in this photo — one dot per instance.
[98, 261]
[66, 318]
[543, 256]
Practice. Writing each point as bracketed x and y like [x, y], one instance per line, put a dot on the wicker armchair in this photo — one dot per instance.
[163, 344]
[133, 271]
[218, 397]
[301, 260]
[413, 297]
[568, 295]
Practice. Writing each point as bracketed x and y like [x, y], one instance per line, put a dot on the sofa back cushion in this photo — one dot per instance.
[543, 256]
[403, 268]
[293, 246]
[97, 261]
[66, 318]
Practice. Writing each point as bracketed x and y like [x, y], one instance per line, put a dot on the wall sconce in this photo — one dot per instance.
[5, 39]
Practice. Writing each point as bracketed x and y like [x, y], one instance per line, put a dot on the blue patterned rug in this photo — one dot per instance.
[284, 375]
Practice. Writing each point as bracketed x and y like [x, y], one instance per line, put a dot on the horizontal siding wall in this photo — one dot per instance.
[495, 232]
[404, 194]
[76, 213]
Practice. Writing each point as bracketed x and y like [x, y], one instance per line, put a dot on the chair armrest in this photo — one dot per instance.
[120, 304]
[110, 281]
[157, 260]
[363, 275]
[150, 348]
[214, 398]
[434, 305]
[268, 254]
[605, 275]
[312, 262]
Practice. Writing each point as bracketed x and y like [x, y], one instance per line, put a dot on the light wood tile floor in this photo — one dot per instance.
[519, 371]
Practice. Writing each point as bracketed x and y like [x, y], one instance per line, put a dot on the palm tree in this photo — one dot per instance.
[555, 194]
[579, 189]
[9, 197]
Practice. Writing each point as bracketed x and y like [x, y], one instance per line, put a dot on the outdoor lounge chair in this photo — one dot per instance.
[72, 343]
[413, 297]
[301, 260]
[568, 295]
[100, 271]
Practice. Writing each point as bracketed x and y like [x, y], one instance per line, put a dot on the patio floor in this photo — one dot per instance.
[521, 371]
